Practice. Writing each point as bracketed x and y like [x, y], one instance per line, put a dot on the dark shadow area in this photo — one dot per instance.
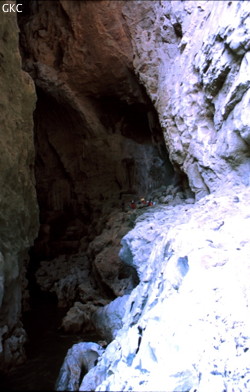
[83, 167]
[46, 348]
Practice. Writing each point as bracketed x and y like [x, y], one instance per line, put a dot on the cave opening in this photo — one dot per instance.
[82, 183]
[98, 145]
[88, 166]
[84, 171]
[98, 142]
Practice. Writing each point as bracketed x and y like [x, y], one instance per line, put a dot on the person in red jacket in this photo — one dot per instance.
[132, 205]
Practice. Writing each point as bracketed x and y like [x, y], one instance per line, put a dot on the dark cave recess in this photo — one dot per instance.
[97, 136]
[82, 174]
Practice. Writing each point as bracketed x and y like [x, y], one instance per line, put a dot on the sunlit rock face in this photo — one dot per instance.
[18, 207]
[193, 58]
[185, 327]
[81, 357]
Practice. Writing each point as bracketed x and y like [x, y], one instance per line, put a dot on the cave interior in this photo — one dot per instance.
[97, 138]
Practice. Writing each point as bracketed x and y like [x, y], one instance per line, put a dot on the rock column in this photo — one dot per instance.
[18, 207]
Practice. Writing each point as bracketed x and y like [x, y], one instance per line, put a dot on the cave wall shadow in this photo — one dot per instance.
[98, 141]
[81, 176]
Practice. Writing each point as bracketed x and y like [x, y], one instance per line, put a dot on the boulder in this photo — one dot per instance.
[109, 319]
[79, 360]
[78, 318]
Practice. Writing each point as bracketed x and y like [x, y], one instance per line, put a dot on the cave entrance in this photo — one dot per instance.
[98, 141]
[84, 175]
[91, 162]
[98, 144]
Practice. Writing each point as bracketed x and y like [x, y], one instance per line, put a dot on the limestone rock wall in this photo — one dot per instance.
[18, 206]
[193, 58]
[185, 327]
[97, 134]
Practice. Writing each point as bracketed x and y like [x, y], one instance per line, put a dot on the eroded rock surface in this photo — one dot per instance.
[81, 357]
[18, 207]
[85, 283]
[187, 320]
[105, 73]
[193, 58]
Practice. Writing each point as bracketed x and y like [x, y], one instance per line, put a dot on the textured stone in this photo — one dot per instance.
[78, 318]
[18, 207]
[192, 57]
[194, 292]
[65, 277]
[99, 144]
[104, 249]
[80, 358]
[109, 319]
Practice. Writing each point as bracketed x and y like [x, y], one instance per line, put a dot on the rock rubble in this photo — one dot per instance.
[85, 282]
